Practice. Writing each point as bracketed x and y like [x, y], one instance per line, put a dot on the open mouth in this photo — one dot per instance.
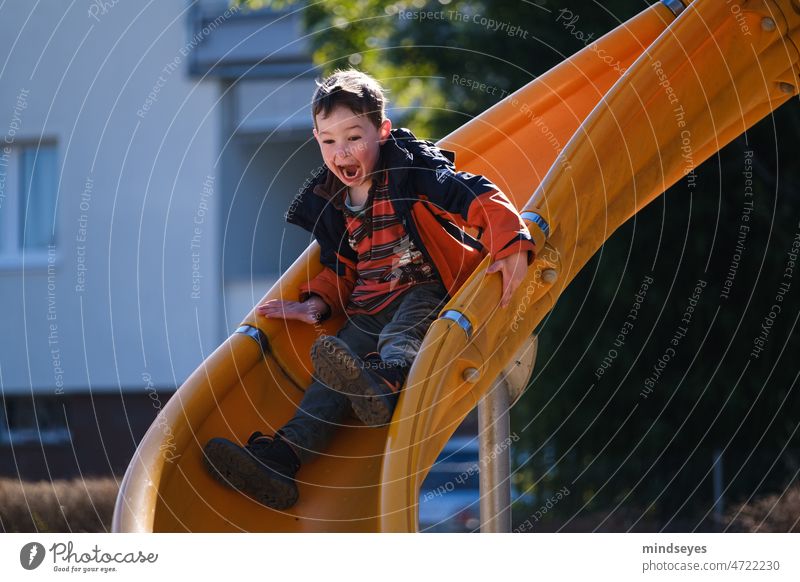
[350, 173]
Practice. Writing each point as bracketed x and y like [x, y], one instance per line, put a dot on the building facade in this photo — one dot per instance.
[148, 151]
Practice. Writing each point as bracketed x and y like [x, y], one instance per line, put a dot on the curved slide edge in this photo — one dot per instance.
[701, 79]
[720, 68]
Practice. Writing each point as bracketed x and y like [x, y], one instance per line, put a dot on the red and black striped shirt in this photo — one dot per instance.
[389, 263]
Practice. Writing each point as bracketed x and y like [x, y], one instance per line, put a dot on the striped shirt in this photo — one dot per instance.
[388, 261]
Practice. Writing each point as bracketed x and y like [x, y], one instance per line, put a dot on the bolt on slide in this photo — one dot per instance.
[579, 150]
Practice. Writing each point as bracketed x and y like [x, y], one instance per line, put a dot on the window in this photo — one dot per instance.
[28, 188]
[25, 420]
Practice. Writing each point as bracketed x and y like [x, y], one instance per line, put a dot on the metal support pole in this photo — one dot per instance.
[494, 423]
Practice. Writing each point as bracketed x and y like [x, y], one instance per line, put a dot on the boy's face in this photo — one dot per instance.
[350, 145]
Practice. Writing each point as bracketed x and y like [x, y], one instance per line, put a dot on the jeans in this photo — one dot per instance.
[396, 332]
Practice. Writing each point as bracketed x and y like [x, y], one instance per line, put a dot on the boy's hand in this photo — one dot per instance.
[513, 268]
[308, 311]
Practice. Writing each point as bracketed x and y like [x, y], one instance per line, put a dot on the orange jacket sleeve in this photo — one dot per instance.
[333, 284]
[503, 230]
[478, 203]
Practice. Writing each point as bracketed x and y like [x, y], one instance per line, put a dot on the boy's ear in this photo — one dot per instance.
[316, 134]
[384, 130]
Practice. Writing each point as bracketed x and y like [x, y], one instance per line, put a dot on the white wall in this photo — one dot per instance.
[88, 78]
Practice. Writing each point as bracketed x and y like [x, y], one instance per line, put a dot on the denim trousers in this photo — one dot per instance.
[396, 332]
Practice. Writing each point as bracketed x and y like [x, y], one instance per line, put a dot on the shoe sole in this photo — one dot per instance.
[234, 467]
[336, 367]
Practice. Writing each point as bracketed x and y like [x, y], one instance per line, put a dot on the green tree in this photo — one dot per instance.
[416, 48]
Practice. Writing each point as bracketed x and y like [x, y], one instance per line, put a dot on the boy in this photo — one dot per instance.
[387, 212]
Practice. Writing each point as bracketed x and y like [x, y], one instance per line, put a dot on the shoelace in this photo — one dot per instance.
[259, 441]
[256, 436]
[372, 360]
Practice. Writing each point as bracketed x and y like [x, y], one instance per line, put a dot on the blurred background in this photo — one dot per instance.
[150, 150]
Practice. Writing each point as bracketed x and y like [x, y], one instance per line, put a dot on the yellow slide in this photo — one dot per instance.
[579, 153]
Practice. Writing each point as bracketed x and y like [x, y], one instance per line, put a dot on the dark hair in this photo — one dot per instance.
[357, 91]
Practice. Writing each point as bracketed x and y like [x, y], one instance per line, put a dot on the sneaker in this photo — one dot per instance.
[372, 385]
[263, 469]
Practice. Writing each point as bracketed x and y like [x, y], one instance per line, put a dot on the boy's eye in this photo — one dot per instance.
[327, 141]
[354, 137]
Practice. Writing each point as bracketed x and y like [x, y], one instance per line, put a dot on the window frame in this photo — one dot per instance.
[13, 255]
